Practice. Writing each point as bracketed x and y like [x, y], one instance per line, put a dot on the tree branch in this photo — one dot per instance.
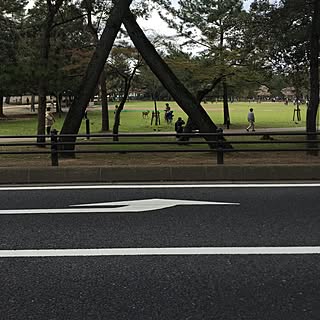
[67, 21]
[202, 93]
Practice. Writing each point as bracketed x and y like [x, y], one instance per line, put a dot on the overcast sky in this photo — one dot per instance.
[156, 24]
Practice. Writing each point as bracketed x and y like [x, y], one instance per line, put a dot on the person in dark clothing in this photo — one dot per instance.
[166, 112]
[178, 126]
[169, 116]
[251, 120]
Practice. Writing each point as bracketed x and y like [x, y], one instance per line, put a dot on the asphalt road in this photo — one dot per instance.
[159, 284]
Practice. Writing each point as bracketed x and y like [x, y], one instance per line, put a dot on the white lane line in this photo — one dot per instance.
[159, 251]
[163, 186]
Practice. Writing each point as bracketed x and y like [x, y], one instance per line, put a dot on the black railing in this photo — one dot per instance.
[218, 143]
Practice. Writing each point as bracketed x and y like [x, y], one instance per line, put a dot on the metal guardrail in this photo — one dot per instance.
[220, 143]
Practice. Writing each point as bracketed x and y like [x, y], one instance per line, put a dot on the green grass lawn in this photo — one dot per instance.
[268, 115]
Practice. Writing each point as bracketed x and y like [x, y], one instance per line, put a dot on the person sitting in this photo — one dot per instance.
[178, 127]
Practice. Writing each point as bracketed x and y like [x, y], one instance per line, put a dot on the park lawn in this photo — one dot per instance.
[268, 115]
[18, 126]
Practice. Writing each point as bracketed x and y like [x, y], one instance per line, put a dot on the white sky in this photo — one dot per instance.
[157, 25]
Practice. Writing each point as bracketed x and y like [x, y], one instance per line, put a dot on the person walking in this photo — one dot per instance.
[50, 120]
[251, 120]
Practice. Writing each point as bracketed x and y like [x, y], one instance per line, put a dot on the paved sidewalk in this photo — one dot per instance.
[152, 174]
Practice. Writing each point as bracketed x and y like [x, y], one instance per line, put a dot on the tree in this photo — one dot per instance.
[52, 28]
[7, 56]
[89, 82]
[119, 13]
[68, 36]
[124, 63]
[152, 88]
[93, 8]
[313, 107]
[51, 10]
[10, 15]
[216, 26]
[196, 73]
[288, 34]
[181, 95]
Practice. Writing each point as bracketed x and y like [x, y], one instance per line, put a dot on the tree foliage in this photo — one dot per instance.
[220, 49]
[288, 35]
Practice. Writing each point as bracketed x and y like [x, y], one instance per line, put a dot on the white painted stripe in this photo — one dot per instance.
[159, 251]
[162, 186]
[58, 211]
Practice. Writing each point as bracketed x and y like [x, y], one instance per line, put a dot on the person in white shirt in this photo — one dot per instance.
[50, 120]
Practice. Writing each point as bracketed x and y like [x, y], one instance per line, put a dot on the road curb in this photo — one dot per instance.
[12, 175]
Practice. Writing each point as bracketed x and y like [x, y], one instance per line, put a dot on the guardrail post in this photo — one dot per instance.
[54, 148]
[220, 146]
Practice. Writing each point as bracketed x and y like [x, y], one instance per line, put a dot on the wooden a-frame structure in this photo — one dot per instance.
[121, 14]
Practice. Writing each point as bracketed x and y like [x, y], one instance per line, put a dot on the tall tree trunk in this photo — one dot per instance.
[43, 81]
[41, 116]
[314, 77]
[178, 91]
[104, 103]
[53, 8]
[32, 105]
[187, 129]
[116, 124]
[226, 115]
[59, 104]
[127, 84]
[102, 81]
[76, 112]
[156, 113]
[1, 107]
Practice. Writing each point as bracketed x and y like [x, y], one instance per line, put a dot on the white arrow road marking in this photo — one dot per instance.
[119, 206]
[159, 251]
[152, 204]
